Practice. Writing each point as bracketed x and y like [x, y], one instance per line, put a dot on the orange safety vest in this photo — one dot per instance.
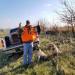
[28, 34]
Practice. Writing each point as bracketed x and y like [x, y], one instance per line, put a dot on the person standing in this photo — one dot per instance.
[28, 36]
[20, 32]
[38, 29]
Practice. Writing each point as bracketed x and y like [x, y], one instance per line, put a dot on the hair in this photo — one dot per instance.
[27, 22]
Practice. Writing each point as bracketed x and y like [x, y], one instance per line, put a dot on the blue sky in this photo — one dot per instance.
[14, 11]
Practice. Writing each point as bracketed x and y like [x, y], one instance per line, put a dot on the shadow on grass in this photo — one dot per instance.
[3, 73]
[18, 70]
[6, 59]
[22, 68]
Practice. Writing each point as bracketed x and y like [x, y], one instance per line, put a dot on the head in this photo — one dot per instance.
[27, 22]
[20, 25]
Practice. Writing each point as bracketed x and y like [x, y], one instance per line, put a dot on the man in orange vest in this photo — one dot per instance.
[28, 36]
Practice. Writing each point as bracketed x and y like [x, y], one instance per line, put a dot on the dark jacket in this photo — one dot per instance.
[38, 29]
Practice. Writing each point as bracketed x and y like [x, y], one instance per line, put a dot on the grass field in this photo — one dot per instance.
[66, 62]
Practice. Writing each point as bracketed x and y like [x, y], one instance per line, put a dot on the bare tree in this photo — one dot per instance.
[68, 14]
[55, 28]
[42, 25]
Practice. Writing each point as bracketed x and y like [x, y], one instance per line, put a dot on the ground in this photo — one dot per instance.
[63, 65]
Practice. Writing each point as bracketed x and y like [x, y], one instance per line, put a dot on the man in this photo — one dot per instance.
[28, 36]
[36, 42]
[38, 28]
[20, 32]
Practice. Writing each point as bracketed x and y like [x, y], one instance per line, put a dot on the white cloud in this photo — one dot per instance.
[47, 5]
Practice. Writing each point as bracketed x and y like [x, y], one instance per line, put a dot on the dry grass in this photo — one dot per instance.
[66, 62]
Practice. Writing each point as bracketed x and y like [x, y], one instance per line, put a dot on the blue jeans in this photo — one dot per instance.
[27, 55]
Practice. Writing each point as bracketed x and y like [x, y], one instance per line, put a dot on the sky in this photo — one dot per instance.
[12, 12]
